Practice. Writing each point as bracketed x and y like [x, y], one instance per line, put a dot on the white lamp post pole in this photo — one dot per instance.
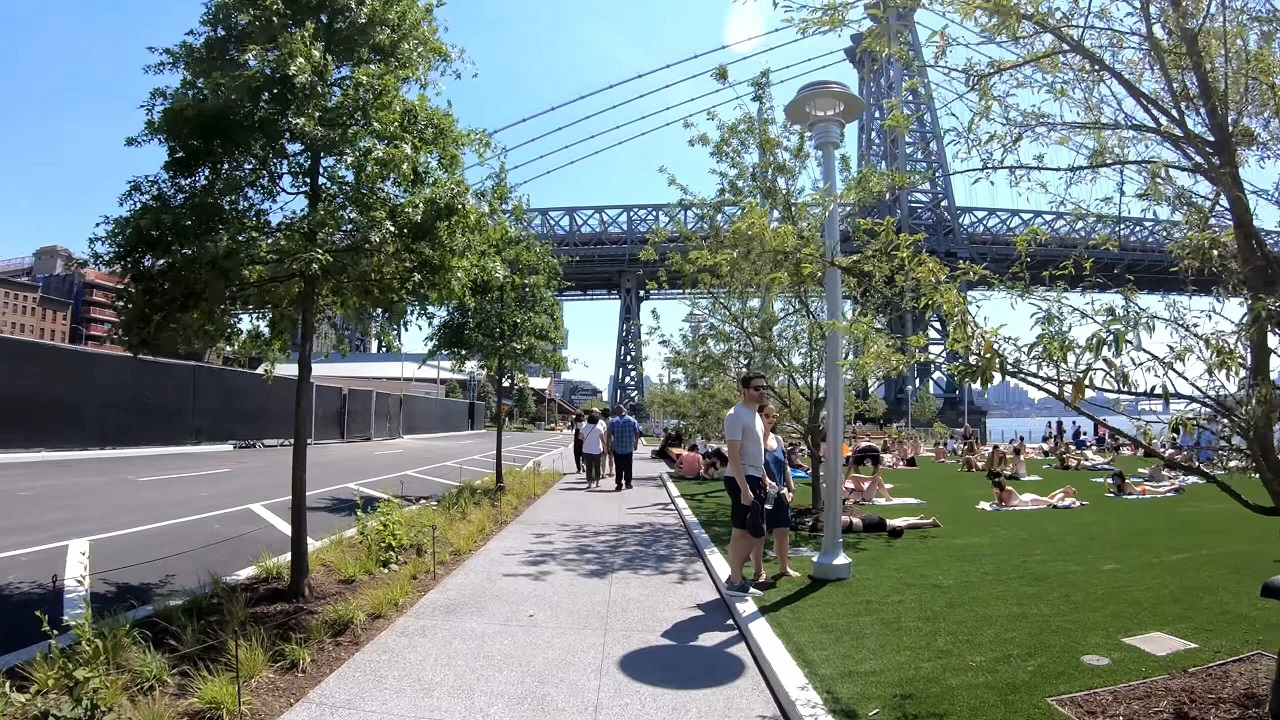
[824, 108]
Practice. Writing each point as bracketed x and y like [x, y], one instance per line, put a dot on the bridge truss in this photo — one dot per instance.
[600, 247]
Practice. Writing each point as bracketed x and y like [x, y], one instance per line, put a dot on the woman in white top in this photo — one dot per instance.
[593, 447]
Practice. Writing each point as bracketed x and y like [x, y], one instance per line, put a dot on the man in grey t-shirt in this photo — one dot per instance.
[744, 480]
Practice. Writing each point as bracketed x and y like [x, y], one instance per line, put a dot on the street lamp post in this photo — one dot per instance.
[824, 108]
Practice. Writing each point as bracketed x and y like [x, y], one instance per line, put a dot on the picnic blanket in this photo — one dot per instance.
[1029, 477]
[895, 501]
[800, 475]
[1068, 505]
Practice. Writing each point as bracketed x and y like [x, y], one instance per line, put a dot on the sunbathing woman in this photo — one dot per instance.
[1008, 497]
[860, 489]
[894, 528]
[1121, 486]
[1019, 469]
[995, 458]
[940, 452]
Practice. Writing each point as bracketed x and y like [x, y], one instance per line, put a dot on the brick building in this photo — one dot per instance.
[26, 311]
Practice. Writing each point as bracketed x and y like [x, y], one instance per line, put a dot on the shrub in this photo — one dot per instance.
[271, 568]
[150, 707]
[353, 563]
[248, 654]
[382, 532]
[151, 670]
[297, 654]
[387, 598]
[344, 615]
[215, 693]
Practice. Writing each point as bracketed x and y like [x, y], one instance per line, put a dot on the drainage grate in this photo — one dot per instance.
[1158, 643]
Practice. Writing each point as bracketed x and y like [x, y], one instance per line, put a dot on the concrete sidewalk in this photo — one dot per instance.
[590, 605]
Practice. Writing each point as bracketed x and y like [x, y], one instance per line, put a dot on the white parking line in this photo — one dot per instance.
[369, 491]
[166, 477]
[535, 452]
[272, 518]
[75, 581]
[468, 467]
[428, 477]
[246, 506]
[387, 452]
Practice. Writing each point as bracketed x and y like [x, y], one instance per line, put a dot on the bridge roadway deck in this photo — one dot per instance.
[158, 524]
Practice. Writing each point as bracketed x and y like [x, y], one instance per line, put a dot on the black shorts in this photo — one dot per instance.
[747, 517]
[873, 524]
[860, 458]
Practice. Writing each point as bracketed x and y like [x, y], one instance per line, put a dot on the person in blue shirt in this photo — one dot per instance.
[777, 519]
[624, 438]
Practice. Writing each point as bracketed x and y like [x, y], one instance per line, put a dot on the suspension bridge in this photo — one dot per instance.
[601, 246]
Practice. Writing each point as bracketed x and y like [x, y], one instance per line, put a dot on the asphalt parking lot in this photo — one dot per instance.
[150, 526]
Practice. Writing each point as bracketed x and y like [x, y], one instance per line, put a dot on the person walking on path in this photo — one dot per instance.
[744, 482]
[624, 439]
[608, 451]
[593, 431]
[579, 422]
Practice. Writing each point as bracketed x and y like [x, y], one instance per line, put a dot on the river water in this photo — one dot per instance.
[1003, 429]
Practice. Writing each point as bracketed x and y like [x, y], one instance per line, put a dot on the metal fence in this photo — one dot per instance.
[63, 397]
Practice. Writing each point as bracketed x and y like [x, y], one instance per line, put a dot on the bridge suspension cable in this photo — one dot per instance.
[646, 116]
[645, 74]
[666, 125]
[655, 91]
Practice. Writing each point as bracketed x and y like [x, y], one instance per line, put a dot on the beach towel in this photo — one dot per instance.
[800, 475]
[1030, 477]
[895, 501]
[1068, 505]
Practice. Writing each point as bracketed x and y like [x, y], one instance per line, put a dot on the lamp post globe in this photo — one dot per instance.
[823, 109]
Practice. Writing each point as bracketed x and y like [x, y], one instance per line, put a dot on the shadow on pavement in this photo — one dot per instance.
[596, 551]
[682, 665]
[19, 603]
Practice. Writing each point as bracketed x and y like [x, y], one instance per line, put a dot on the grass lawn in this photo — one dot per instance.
[989, 615]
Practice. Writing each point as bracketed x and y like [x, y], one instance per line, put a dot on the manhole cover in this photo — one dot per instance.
[1095, 660]
[1158, 643]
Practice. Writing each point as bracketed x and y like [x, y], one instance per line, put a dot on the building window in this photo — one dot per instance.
[44, 314]
[24, 309]
[64, 336]
[13, 326]
[22, 327]
[6, 294]
[5, 306]
[41, 333]
[31, 330]
[26, 297]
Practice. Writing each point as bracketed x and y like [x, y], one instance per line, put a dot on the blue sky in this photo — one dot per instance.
[73, 81]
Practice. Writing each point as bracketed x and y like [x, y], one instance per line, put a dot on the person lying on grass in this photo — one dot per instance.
[1082, 461]
[1008, 497]
[1121, 486]
[860, 489]
[868, 523]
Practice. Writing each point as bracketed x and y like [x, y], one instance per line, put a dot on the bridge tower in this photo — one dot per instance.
[893, 81]
[628, 370]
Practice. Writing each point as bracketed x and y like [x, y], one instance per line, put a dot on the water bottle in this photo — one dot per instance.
[768, 499]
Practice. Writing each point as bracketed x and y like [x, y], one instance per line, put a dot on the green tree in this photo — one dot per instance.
[452, 391]
[485, 393]
[924, 408]
[509, 316]
[307, 176]
[757, 263]
[526, 407]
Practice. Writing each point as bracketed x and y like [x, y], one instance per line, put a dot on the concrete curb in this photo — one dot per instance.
[122, 452]
[796, 695]
[442, 434]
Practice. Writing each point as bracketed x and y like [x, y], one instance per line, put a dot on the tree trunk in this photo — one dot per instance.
[299, 553]
[497, 455]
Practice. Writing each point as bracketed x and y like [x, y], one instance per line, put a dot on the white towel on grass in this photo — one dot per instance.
[895, 501]
[1068, 505]
[1031, 477]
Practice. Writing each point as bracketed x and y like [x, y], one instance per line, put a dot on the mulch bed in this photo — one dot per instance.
[1236, 689]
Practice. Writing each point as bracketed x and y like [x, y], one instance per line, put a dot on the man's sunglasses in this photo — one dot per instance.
[760, 388]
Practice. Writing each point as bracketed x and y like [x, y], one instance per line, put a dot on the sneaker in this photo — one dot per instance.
[742, 589]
